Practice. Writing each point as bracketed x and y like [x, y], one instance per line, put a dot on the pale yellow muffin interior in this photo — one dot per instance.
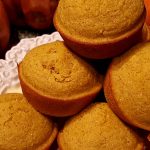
[21, 127]
[54, 71]
[130, 80]
[97, 128]
[98, 19]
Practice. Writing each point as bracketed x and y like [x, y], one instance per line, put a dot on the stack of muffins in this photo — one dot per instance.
[64, 79]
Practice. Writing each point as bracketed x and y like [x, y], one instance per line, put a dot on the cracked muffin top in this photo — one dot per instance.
[54, 71]
[21, 126]
[95, 128]
[98, 19]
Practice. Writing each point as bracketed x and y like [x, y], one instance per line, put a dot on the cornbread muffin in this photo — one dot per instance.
[98, 128]
[127, 86]
[57, 82]
[100, 29]
[22, 127]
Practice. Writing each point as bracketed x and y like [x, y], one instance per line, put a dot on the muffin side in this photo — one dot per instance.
[56, 81]
[126, 86]
[99, 44]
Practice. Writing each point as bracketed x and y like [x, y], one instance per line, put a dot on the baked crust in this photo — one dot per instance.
[54, 106]
[110, 96]
[62, 83]
[26, 132]
[114, 103]
[103, 50]
[103, 120]
[49, 142]
[104, 47]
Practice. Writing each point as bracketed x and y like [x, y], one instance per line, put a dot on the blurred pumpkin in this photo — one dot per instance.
[147, 5]
[14, 11]
[35, 13]
[4, 29]
[39, 14]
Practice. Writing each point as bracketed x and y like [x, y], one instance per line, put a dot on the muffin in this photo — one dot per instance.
[22, 127]
[127, 86]
[98, 128]
[100, 29]
[57, 82]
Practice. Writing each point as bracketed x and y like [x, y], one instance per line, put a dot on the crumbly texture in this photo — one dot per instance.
[130, 80]
[21, 127]
[98, 19]
[53, 70]
[95, 128]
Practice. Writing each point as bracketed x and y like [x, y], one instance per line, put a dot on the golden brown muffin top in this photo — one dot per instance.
[96, 128]
[130, 80]
[98, 19]
[21, 127]
[53, 70]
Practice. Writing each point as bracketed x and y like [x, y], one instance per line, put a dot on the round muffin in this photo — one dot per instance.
[98, 128]
[22, 127]
[127, 86]
[100, 29]
[57, 82]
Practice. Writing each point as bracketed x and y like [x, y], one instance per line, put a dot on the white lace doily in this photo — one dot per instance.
[9, 81]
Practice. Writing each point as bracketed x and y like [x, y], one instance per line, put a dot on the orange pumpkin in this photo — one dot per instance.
[39, 14]
[14, 11]
[4, 29]
[147, 5]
